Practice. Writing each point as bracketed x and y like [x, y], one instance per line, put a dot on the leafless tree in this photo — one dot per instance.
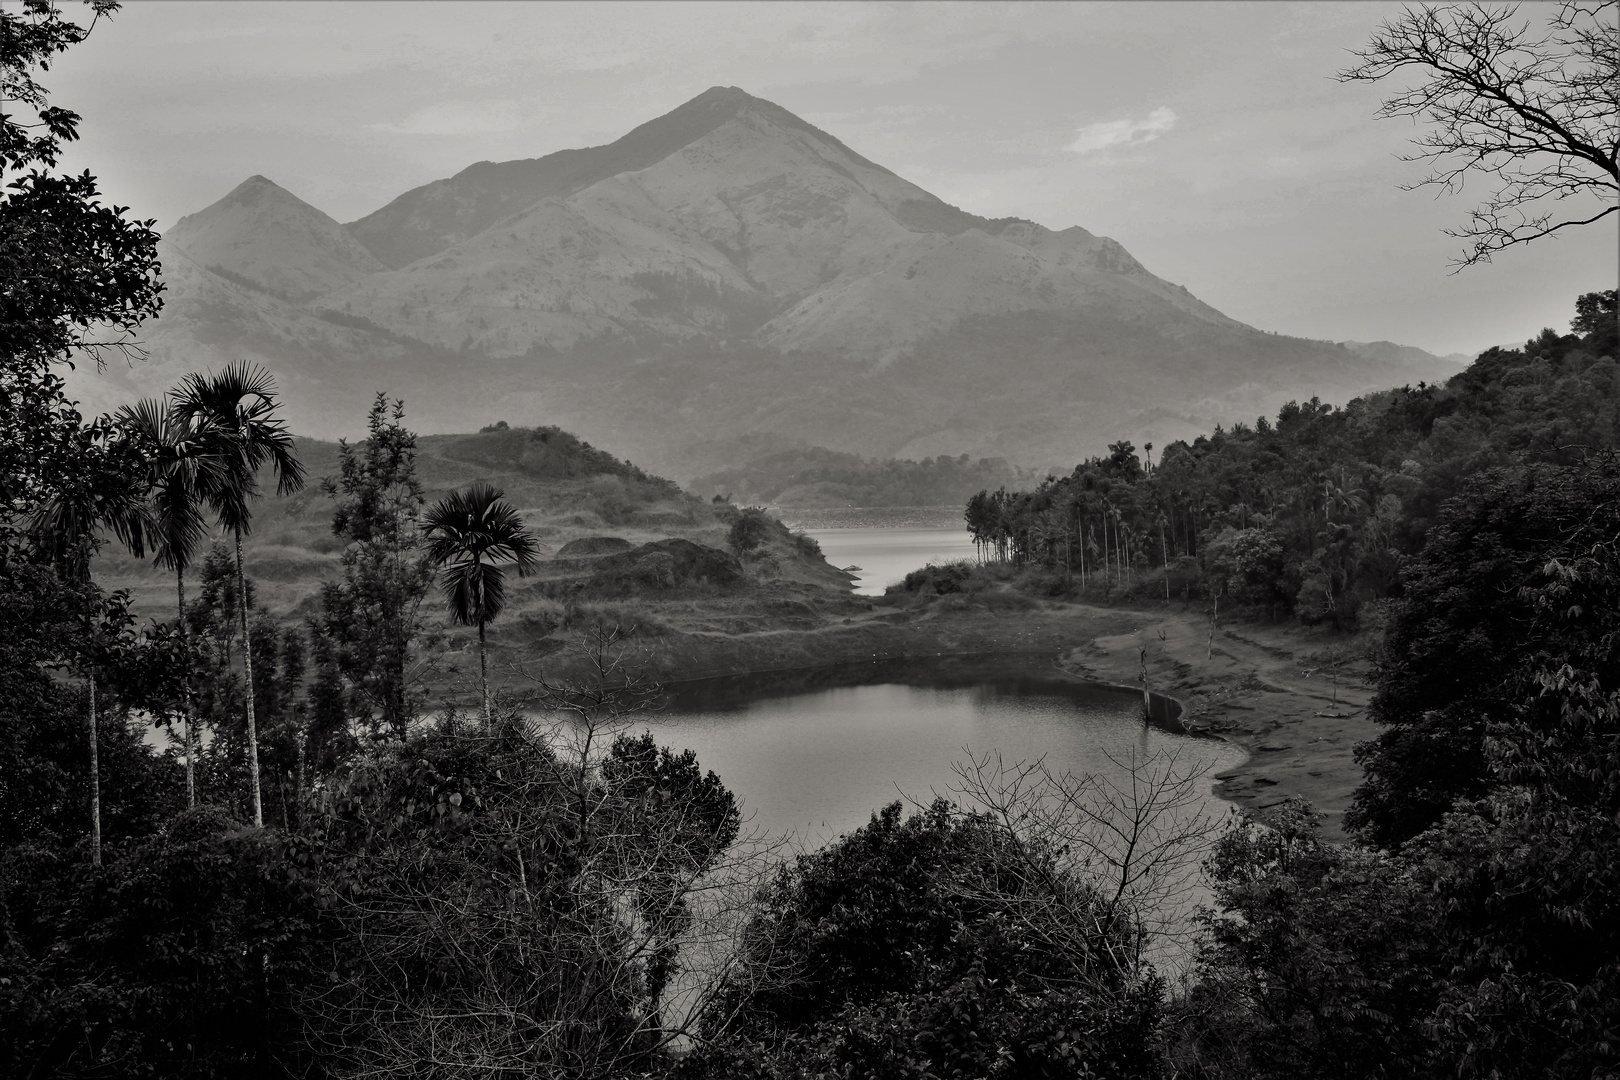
[1136, 845]
[1534, 112]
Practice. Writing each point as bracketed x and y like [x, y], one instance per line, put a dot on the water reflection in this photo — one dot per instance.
[815, 752]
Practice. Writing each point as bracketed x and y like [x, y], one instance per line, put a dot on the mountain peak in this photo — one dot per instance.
[254, 190]
[263, 237]
[734, 95]
[428, 219]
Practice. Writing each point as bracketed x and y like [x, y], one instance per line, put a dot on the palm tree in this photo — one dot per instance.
[238, 407]
[469, 534]
[64, 531]
[182, 472]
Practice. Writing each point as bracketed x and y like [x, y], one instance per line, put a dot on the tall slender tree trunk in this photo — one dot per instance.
[1082, 527]
[247, 666]
[298, 787]
[185, 694]
[1147, 695]
[483, 672]
[1164, 554]
[1108, 566]
[95, 780]
[1108, 559]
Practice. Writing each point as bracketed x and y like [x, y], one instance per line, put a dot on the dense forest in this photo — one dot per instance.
[1311, 514]
[321, 875]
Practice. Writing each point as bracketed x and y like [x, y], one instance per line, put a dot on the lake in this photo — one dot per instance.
[886, 555]
[815, 752]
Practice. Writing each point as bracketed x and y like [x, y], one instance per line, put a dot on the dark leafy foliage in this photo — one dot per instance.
[1323, 962]
[78, 277]
[504, 905]
[1484, 943]
[371, 616]
[749, 528]
[1477, 610]
[177, 959]
[471, 534]
[898, 951]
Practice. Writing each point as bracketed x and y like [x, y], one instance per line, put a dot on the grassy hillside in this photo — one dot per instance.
[571, 495]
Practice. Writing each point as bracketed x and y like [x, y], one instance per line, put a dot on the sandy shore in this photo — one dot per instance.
[1296, 702]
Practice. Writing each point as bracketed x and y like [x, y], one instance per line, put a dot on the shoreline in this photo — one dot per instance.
[1263, 689]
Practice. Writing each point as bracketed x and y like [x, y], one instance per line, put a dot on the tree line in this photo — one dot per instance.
[1311, 514]
[817, 476]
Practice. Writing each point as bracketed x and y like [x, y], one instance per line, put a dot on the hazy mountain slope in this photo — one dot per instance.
[769, 215]
[726, 268]
[326, 372]
[600, 264]
[1409, 354]
[428, 219]
[265, 237]
[937, 281]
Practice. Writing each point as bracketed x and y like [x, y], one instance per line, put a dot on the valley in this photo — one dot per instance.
[695, 611]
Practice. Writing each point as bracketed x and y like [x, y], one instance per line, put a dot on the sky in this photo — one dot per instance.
[1210, 139]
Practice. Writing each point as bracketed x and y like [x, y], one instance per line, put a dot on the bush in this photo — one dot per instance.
[910, 951]
[512, 901]
[807, 546]
[180, 958]
[939, 578]
[750, 529]
[666, 564]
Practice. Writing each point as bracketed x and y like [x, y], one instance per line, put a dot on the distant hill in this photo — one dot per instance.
[574, 497]
[813, 477]
[1404, 354]
[726, 268]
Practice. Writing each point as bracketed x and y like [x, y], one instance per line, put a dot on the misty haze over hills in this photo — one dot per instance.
[722, 270]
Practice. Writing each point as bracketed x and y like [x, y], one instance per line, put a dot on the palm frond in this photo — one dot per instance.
[233, 413]
[470, 533]
[183, 469]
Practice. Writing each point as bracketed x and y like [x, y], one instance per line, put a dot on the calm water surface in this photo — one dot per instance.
[887, 555]
[814, 753]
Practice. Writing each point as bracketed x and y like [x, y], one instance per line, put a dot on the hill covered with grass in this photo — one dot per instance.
[585, 505]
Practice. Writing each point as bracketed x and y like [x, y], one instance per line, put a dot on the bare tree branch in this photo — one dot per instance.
[1536, 114]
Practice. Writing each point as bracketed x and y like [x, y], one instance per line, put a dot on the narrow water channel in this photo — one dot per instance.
[885, 555]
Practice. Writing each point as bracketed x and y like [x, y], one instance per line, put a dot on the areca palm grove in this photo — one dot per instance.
[182, 470]
[239, 407]
[471, 534]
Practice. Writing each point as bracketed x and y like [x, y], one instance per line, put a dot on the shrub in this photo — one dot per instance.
[913, 949]
[807, 545]
[750, 528]
[939, 578]
[180, 958]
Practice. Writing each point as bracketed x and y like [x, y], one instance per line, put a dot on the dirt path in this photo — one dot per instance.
[1270, 691]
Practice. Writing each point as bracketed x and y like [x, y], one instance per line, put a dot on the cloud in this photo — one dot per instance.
[1101, 136]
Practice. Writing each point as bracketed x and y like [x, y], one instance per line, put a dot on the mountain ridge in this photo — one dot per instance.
[724, 268]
